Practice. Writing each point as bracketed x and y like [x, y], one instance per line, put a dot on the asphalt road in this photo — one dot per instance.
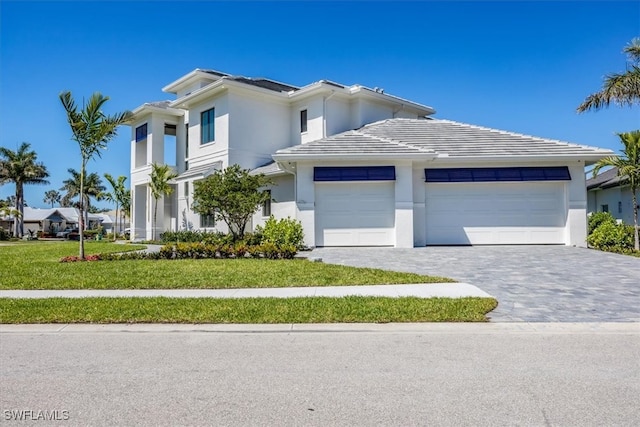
[449, 375]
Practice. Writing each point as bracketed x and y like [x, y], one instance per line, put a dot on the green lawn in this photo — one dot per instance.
[35, 265]
[239, 310]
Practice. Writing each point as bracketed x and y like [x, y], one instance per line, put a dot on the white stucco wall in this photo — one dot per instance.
[258, 128]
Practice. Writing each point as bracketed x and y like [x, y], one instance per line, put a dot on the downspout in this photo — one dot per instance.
[324, 113]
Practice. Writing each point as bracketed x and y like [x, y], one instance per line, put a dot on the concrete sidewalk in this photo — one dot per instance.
[428, 290]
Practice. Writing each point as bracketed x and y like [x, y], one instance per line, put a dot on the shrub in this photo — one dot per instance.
[597, 218]
[77, 259]
[4, 235]
[613, 237]
[286, 231]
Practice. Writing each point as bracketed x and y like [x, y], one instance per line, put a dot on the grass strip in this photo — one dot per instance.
[245, 310]
[37, 266]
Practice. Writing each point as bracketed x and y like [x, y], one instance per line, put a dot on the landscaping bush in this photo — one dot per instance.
[613, 237]
[598, 218]
[4, 235]
[285, 231]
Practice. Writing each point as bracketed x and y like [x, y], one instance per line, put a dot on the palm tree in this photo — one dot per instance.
[115, 196]
[92, 130]
[619, 88]
[160, 187]
[126, 206]
[628, 165]
[91, 187]
[21, 168]
[52, 196]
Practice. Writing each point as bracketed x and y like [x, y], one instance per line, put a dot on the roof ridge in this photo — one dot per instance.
[391, 141]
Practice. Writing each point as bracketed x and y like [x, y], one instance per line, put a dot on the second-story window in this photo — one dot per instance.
[303, 121]
[141, 132]
[207, 126]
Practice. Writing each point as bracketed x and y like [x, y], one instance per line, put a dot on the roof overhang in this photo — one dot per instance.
[147, 109]
[197, 172]
[190, 78]
[353, 156]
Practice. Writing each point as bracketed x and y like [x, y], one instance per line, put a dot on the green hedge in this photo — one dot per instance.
[201, 250]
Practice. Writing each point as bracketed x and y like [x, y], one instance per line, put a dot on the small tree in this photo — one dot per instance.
[628, 165]
[116, 196]
[52, 196]
[232, 195]
[160, 187]
[21, 168]
[92, 129]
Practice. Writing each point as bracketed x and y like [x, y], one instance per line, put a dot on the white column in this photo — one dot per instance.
[305, 202]
[576, 227]
[404, 205]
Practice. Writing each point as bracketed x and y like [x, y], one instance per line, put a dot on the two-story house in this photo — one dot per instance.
[357, 166]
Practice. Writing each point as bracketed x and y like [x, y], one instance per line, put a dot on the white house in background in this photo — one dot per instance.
[609, 193]
[357, 166]
[52, 220]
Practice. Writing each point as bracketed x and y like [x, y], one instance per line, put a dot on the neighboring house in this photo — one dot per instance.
[52, 220]
[608, 192]
[357, 166]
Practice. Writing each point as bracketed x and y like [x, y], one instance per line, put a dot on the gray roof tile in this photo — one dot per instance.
[442, 138]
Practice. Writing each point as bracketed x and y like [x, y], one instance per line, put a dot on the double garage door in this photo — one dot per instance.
[363, 213]
[495, 213]
[355, 214]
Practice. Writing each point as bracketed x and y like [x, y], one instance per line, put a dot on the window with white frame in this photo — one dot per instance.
[303, 121]
[207, 221]
[266, 206]
[207, 126]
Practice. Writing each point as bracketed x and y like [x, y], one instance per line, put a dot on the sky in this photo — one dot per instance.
[517, 66]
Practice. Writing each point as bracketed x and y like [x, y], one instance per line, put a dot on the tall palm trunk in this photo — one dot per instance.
[636, 237]
[115, 226]
[80, 217]
[19, 221]
[155, 214]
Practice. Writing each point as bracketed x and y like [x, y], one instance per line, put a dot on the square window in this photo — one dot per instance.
[619, 207]
[207, 221]
[141, 133]
[266, 206]
[303, 121]
[604, 208]
[207, 126]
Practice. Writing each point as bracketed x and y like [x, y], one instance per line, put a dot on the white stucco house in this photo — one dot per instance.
[608, 192]
[358, 166]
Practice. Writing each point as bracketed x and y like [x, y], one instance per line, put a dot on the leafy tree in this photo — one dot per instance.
[160, 187]
[21, 168]
[116, 195]
[619, 88]
[90, 187]
[92, 129]
[628, 165]
[232, 195]
[52, 196]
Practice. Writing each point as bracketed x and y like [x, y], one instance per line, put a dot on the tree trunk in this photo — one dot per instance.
[155, 213]
[18, 230]
[636, 238]
[80, 218]
[115, 226]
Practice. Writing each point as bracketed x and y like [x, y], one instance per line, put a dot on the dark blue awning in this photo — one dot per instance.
[548, 173]
[354, 173]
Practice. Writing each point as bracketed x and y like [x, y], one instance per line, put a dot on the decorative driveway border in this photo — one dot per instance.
[531, 283]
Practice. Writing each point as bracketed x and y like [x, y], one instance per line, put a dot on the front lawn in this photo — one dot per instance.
[35, 265]
[245, 310]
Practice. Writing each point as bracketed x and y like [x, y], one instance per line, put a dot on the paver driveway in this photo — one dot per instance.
[531, 283]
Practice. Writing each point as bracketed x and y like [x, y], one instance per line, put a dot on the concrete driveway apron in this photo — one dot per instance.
[531, 283]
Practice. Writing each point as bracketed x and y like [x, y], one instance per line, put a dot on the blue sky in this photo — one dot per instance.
[517, 66]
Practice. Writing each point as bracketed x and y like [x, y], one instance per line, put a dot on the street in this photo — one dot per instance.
[432, 374]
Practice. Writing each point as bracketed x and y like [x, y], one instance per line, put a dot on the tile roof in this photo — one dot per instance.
[606, 179]
[443, 138]
[271, 168]
[263, 83]
[201, 171]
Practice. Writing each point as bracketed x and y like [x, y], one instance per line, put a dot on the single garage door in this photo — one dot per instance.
[355, 213]
[481, 213]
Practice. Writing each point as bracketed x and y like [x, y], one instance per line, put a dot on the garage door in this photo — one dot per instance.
[495, 213]
[355, 214]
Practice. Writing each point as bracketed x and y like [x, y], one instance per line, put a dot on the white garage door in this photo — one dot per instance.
[355, 214]
[495, 213]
